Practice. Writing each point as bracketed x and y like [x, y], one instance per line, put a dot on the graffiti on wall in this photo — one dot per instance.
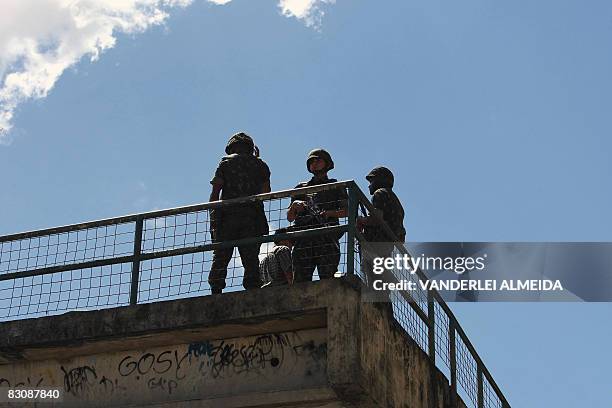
[183, 370]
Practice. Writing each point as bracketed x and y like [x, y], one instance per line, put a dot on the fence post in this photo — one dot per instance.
[453, 361]
[480, 386]
[136, 262]
[431, 345]
[352, 225]
[431, 320]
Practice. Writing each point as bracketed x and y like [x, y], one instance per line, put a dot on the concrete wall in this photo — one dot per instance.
[205, 369]
[314, 344]
[397, 372]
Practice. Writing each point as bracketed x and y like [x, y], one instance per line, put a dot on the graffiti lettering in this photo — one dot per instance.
[165, 369]
[178, 364]
[78, 380]
[144, 359]
[125, 367]
[148, 361]
[264, 351]
[162, 383]
[162, 361]
[110, 386]
[29, 382]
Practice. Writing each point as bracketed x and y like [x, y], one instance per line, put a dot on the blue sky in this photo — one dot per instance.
[495, 117]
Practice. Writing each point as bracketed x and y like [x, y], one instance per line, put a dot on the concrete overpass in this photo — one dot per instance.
[311, 345]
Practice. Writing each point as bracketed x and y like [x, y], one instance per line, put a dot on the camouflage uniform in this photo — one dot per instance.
[240, 174]
[322, 252]
[383, 199]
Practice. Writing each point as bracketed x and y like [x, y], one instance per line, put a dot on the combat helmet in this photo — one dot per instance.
[321, 154]
[238, 139]
[382, 176]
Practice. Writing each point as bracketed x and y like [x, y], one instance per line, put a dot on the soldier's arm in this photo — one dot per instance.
[336, 213]
[297, 205]
[266, 187]
[378, 202]
[217, 183]
[369, 220]
[265, 175]
[341, 203]
[215, 193]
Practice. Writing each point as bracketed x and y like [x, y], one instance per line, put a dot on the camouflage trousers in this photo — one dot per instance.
[322, 253]
[232, 228]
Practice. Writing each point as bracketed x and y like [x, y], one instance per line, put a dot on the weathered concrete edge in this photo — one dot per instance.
[237, 308]
[286, 398]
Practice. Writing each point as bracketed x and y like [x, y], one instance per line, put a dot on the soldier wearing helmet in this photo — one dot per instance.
[239, 174]
[317, 210]
[383, 199]
[379, 244]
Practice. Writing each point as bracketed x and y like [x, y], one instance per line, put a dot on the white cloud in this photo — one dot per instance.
[40, 39]
[307, 10]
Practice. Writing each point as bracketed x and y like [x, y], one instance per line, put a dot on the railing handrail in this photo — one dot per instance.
[146, 256]
[173, 211]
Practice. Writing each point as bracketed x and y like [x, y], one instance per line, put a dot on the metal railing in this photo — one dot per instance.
[167, 254]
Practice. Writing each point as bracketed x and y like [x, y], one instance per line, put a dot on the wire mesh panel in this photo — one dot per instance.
[176, 231]
[276, 212]
[467, 372]
[409, 320]
[491, 400]
[173, 277]
[66, 248]
[402, 302]
[55, 293]
[442, 340]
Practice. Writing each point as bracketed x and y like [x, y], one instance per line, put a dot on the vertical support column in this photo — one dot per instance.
[480, 386]
[352, 225]
[431, 346]
[136, 262]
[431, 320]
[452, 343]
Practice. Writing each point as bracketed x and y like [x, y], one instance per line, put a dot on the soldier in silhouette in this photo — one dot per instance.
[317, 210]
[239, 174]
[379, 243]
